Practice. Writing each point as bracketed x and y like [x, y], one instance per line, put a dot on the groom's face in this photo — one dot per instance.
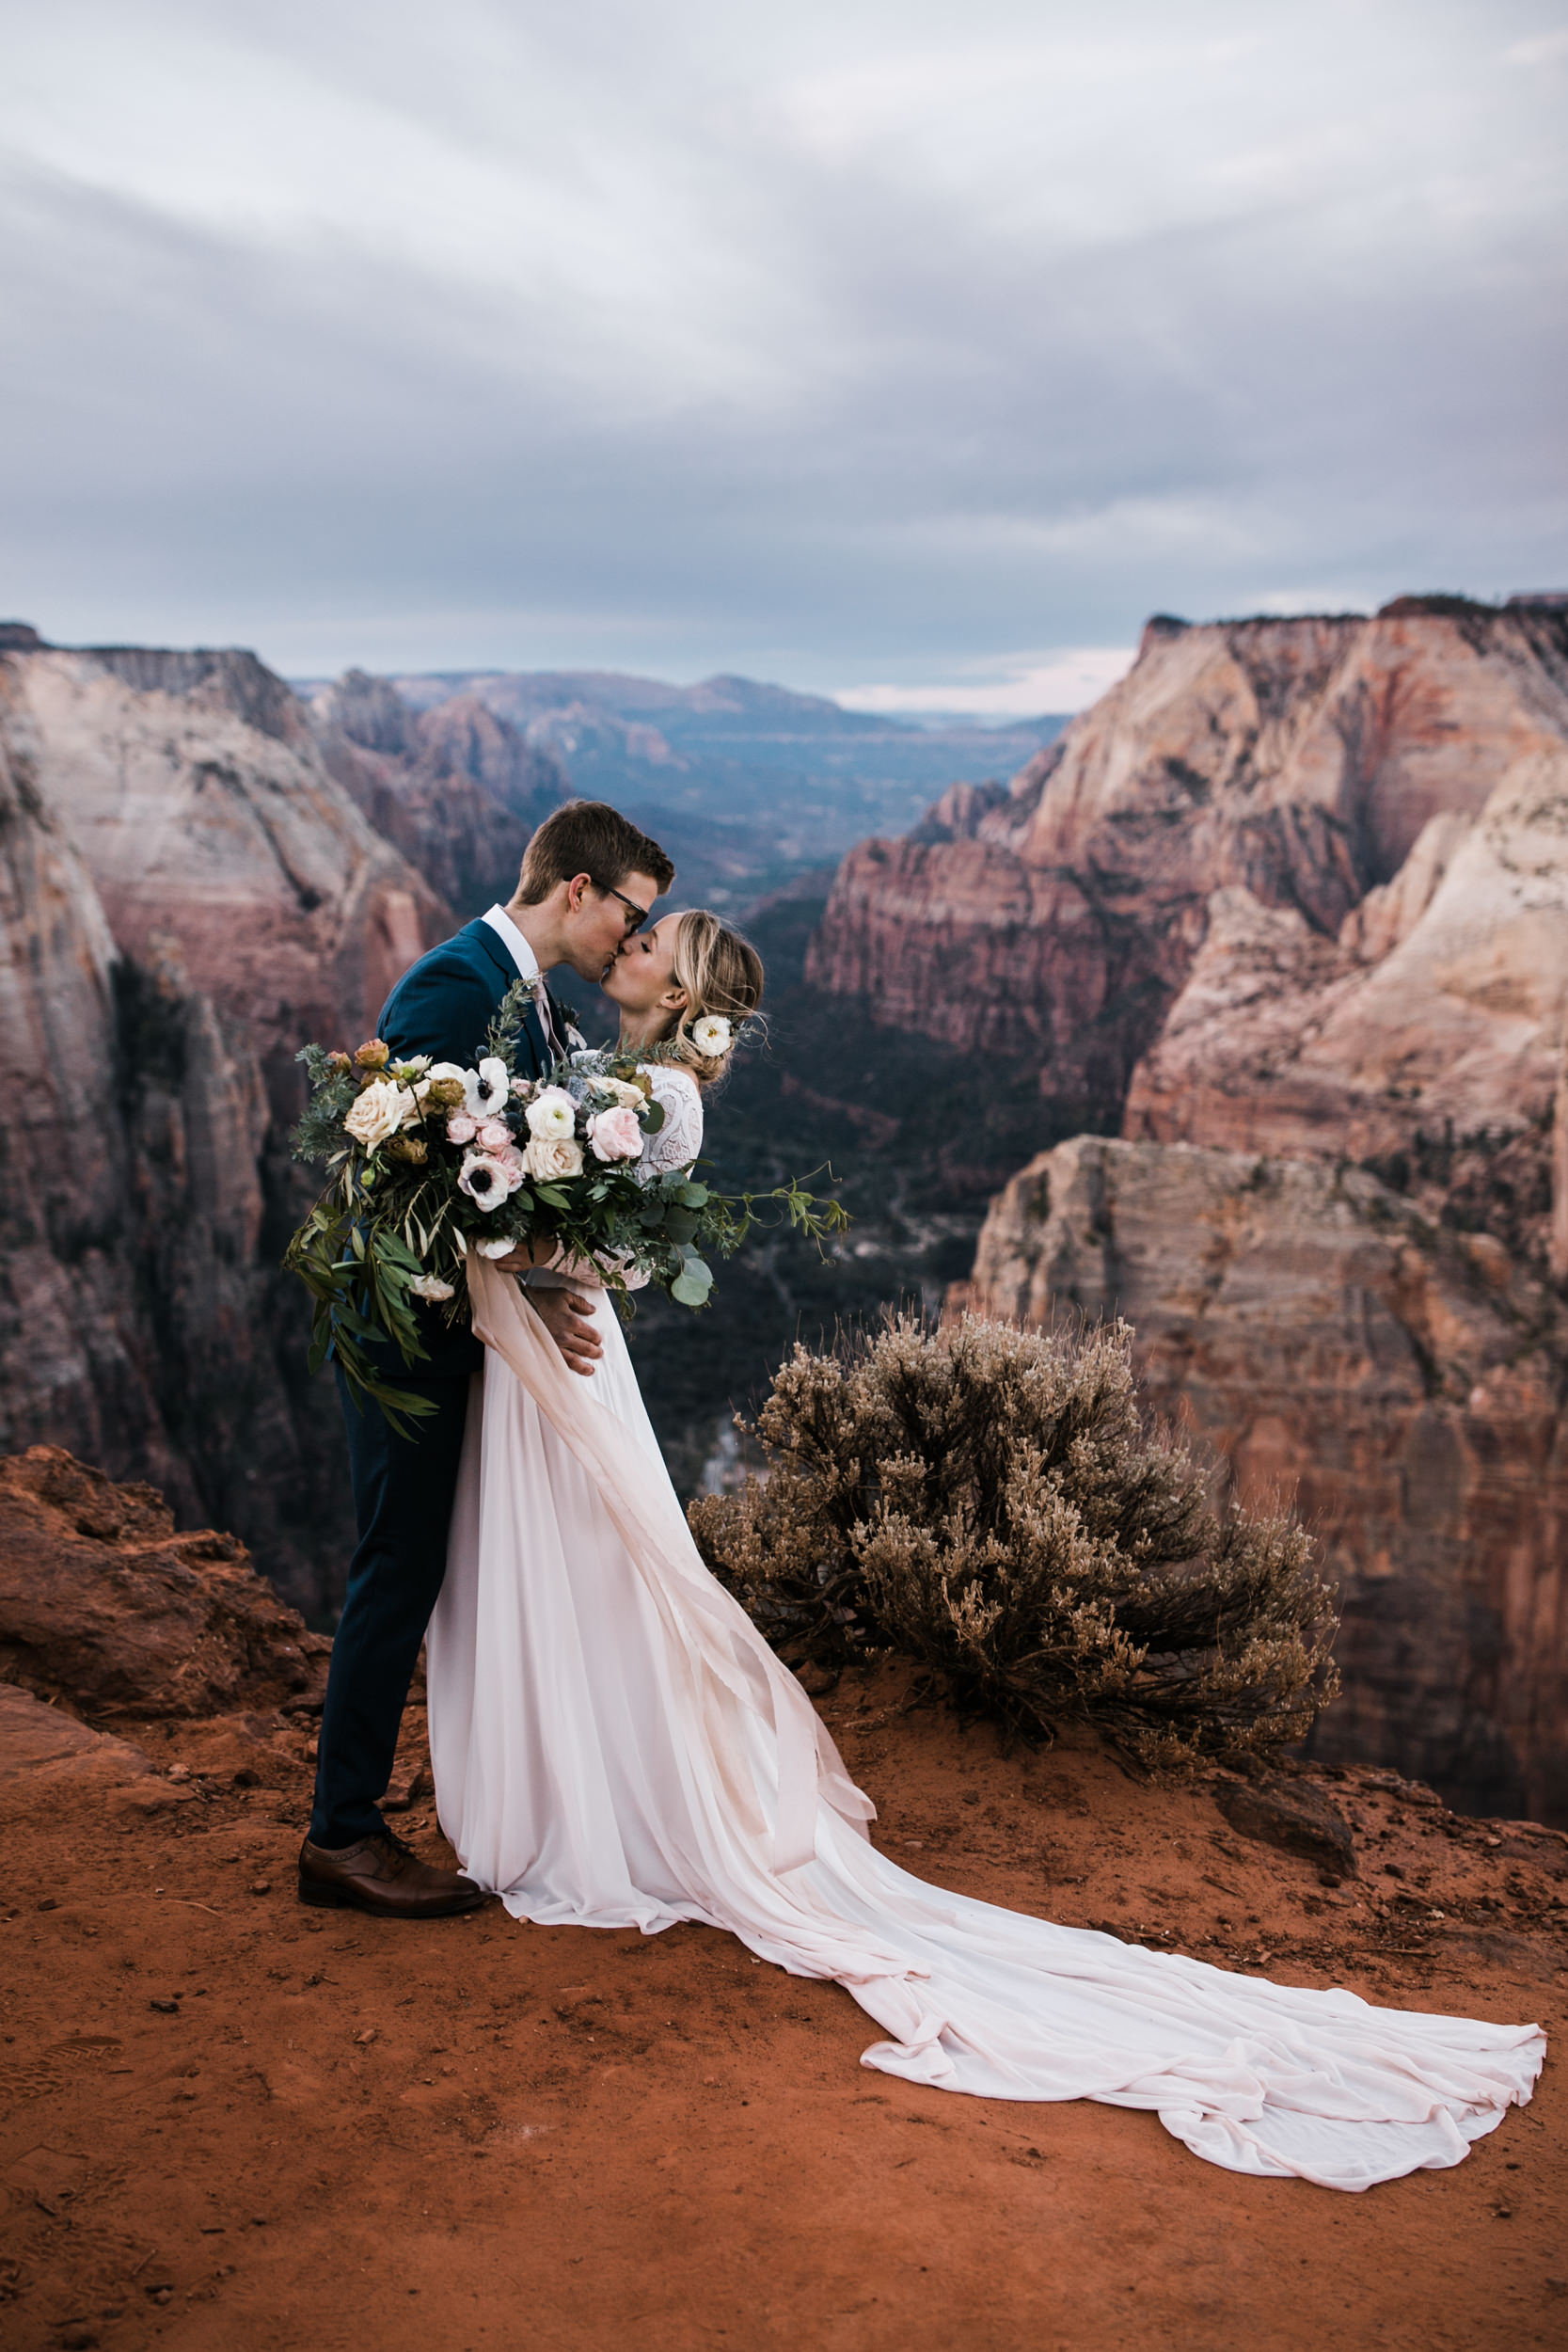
[604, 919]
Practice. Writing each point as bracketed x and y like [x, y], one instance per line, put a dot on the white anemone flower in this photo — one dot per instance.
[484, 1179]
[485, 1089]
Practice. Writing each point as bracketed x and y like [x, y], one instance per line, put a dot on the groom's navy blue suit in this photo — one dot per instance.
[403, 1487]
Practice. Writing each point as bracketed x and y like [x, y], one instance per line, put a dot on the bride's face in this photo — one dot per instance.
[641, 981]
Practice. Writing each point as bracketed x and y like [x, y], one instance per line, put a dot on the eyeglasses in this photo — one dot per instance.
[636, 916]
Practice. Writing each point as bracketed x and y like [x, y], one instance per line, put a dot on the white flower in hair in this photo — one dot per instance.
[712, 1035]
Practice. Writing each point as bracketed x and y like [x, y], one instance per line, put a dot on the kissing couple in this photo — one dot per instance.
[615, 1744]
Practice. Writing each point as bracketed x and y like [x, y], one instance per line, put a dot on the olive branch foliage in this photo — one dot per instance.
[394, 1216]
[994, 1503]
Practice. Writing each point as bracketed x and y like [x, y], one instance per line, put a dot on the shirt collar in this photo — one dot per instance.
[521, 953]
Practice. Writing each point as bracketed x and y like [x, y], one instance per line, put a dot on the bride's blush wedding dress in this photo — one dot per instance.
[615, 1746]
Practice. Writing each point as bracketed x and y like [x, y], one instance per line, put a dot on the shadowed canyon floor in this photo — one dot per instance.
[231, 2123]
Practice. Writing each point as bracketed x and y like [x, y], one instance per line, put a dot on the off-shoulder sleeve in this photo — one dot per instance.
[679, 1140]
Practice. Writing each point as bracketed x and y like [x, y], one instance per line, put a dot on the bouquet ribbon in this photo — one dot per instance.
[699, 1611]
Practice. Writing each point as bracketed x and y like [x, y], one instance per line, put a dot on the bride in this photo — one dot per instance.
[615, 1746]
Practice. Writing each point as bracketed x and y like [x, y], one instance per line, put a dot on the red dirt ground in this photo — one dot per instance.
[230, 2123]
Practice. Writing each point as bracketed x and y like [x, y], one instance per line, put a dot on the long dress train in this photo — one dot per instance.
[615, 1746]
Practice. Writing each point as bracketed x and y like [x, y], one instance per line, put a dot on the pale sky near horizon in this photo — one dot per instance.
[909, 352]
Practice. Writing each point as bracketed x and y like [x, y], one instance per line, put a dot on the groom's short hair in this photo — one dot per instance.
[589, 837]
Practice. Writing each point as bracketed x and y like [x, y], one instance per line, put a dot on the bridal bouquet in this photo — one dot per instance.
[429, 1161]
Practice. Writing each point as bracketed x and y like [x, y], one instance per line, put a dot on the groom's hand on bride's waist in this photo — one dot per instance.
[566, 1315]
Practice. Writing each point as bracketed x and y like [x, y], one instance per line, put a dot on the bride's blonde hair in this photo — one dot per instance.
[721, 973]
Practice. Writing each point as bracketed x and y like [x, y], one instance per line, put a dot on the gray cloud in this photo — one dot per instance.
[846, 344]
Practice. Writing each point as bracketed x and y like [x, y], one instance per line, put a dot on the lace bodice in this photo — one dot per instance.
[676, 1145]
[679, 1140]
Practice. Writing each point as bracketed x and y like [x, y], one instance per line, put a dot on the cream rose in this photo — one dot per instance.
[623, 1091]
[378, 1112]
[431, 1286]
[549, 1159]
[553, 1115]
[712, 1035]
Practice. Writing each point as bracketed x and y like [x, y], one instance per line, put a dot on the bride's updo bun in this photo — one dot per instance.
[722, 974]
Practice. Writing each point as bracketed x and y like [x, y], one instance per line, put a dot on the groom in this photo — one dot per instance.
[589, 880]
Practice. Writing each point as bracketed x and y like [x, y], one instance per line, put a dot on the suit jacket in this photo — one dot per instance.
[443, 1006]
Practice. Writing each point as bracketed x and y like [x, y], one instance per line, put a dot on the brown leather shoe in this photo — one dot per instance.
[381, 1875]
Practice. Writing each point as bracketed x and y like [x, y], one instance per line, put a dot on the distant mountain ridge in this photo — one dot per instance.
[747, 785]
[724, 696]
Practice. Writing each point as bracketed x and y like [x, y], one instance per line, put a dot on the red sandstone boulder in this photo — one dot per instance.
[106, 1608]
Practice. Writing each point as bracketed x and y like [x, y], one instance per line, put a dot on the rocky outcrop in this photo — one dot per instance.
[1403, 1381]
[1302, 762]
[104, 1608]
[186, 895]
[1425, 1041]
[47, 1755]
[77, 1358]
[456, 787]
[202, 810]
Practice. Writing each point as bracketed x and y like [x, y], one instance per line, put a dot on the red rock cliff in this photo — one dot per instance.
[1300, 761]
[186, 894]
[1404, 1383]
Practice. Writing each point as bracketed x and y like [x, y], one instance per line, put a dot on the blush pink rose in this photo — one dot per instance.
[615, 1135]
[493, 1135]
[460, 1128]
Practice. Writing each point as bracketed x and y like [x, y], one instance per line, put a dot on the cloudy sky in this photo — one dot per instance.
[910, 351]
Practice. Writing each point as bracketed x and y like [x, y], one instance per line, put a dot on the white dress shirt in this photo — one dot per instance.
[517, 948]
[550, 1019]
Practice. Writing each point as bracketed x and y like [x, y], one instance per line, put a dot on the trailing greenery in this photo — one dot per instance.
[993, 1503]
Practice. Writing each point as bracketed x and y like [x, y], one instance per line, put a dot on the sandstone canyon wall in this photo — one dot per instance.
[1340, 1221]
[457, 789]
[187, 894]
[1404, 1383]
[1297, 760]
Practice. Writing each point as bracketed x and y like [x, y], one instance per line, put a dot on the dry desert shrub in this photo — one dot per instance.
[993, 1502]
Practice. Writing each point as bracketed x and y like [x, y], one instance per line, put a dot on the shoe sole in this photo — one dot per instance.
[330, 1898]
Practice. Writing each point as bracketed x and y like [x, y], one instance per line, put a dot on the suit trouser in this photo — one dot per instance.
[404, 1490]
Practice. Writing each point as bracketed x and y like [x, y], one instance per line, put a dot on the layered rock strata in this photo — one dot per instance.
[1425, 1039]
[1404, 1383]
[1299, 761]
[186, 895]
